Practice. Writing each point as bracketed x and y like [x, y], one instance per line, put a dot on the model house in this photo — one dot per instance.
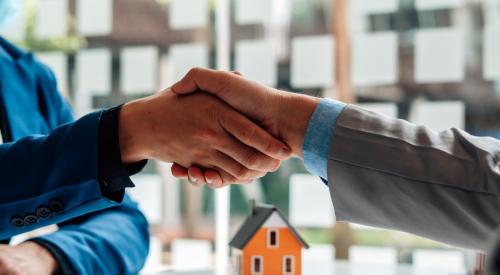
[266, 244]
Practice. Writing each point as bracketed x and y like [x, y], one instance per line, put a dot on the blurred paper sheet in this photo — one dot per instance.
[439, 115]
[51, 19]
[58, 62]
[491, 54]
[139, 67]
[446, 261]
[439, 55]
[491, 13]
[184, 57]
[366, 7]
[186, 14]
[253, 11]
[318, 259]
[438, 4]
[375, 59]
[93, 70]
[312, 64]
[373, 255]
[94, 17]
[310, 203]
[386, 109]
[256, 60]
[191, 254]
[147, 193]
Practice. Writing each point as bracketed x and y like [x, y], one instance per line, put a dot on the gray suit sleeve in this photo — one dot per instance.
[393, 174]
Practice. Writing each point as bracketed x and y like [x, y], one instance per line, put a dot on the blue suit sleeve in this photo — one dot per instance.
[110, 241]
[113, 241]
[49, 179]
[319, 135]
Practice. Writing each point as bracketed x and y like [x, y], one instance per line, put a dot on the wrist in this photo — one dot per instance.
[129, 133]
[294, 118]
[47, 264]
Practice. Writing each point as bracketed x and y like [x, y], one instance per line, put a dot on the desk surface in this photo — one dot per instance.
[337, 268]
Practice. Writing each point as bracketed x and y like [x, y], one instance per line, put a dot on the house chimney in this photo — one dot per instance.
[252, 205]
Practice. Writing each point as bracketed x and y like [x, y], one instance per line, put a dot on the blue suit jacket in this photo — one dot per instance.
[48, 175]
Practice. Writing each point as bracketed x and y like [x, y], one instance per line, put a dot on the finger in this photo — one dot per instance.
[236, 73]
[247, 158]
[234, 168]
[252, 135]
[195, 176]
[212, 176]
[226, 178]
[179, 171]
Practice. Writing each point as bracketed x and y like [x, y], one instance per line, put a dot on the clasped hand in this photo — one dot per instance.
[198, 130]
[284, 115]
[216, 127]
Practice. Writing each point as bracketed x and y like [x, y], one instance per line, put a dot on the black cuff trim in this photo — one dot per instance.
[114, 177]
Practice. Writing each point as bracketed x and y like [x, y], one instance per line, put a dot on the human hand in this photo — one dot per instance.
[28, 258]
[285, 115]
[198, 130]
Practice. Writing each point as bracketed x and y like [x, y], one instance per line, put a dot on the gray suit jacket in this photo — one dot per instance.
[393, 174]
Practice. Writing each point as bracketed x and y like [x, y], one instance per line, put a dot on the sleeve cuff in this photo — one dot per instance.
[319, 135]
[114, 177]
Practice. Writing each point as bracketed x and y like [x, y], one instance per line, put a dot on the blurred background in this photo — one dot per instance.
[433, 62]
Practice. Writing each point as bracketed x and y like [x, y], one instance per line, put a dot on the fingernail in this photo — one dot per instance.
[191, 179]
[284, 152]
[209, 180]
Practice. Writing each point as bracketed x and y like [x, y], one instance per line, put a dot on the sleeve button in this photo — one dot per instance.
[30, 219]
[42, 212]
[56, 206]
[17, 222]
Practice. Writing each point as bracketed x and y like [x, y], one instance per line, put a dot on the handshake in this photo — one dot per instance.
[216, 127]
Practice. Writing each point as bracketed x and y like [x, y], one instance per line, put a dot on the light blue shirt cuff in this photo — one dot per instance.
[319, 136]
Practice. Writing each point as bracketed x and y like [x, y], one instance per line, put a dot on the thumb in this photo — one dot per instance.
[208, 80]
[241, 94]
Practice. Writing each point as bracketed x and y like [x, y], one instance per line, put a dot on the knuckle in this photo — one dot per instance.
[208, 135]
[271, 148]
[253, 161]
[193, 72]
[247, 133]
[243, 173]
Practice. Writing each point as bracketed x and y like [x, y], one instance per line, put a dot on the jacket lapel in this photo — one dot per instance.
[20, 92]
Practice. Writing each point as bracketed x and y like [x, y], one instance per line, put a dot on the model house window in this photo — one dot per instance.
[288, 265]
[257, 265]
[272, 238]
